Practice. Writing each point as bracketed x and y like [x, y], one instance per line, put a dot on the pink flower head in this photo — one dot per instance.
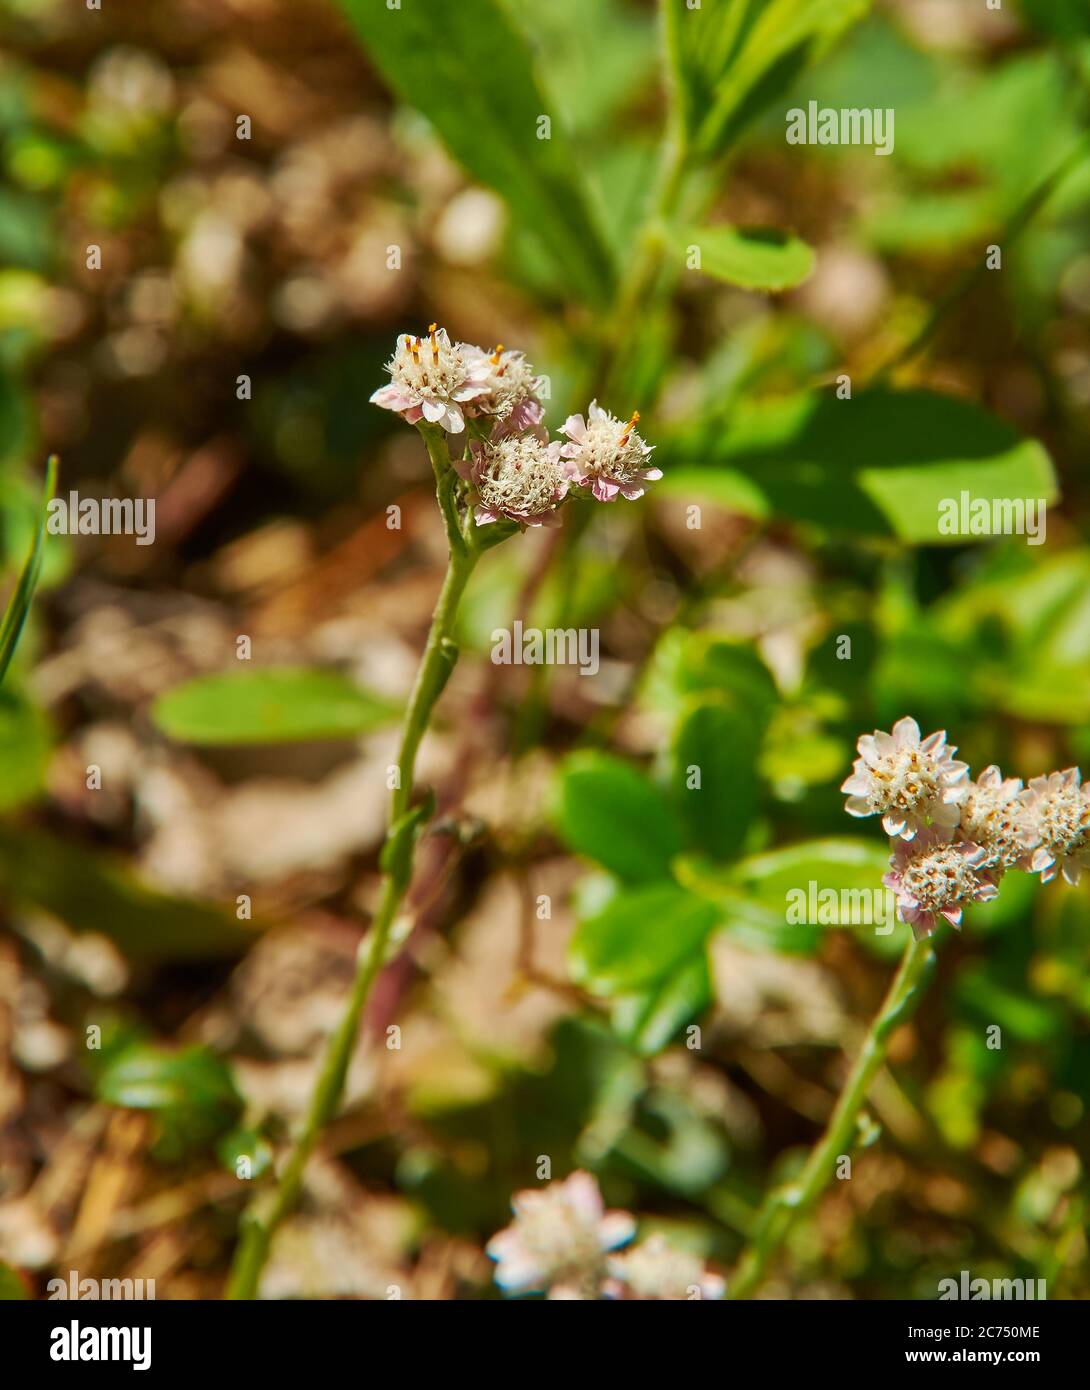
[517, 477]
[1060, 809]
[911, 783]
[607, 455]
[654, 1269]
[431, 380]
[510, 387]
[933, 875]
[558, 1239]
[997, 816]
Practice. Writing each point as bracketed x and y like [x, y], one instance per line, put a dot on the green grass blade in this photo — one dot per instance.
[19, 604]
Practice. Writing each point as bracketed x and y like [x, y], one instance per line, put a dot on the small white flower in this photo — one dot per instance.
[909, 782]
[997, 816]
[1060, 807]
[510, 387]
[934, 875]
[607, 455]
[431, 380]
[654, 1269]
[516, 478]
[558, 1239]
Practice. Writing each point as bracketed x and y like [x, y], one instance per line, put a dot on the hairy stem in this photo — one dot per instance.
[783, 1207]
[267, 1211]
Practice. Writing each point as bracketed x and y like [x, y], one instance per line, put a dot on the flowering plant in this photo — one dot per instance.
[507, 478]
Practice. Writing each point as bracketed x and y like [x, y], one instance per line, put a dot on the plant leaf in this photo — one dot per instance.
[717, 742]
[272, 705]
[18, 607]
[190, 1092]
[753, 258]
[470, 71]
[639, 937]
[775, 899]
[881, 463]
[606, 810]
[700, 664]
[733, 58]
[647, 1021]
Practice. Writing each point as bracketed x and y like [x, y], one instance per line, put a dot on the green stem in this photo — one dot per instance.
[783, 1206]
[267, 1211]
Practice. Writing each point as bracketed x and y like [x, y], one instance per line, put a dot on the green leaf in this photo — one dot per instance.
[274, 705]
[190, 1092]
[836, 863]
[715, 775]
[647, 1021]
[922, 222]
[754, 258]
[593, 54]
[468, 68]
[640, 937]
[19, 604]
[606, 810]
[787, 898]
[882, 463]
[24, 750]
[90, 890]
[688, 664]
[717, 487]
[733, 59]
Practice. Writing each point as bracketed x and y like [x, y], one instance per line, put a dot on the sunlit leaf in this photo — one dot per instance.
[787, 898]
[273, 705]
[753, 258]
[638, 938]
[881, 463]
[606, 810]
[469, 69]
[734, 58]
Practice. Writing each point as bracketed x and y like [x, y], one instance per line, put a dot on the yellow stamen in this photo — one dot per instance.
[434, 345]
[633, 421]
[497, 355]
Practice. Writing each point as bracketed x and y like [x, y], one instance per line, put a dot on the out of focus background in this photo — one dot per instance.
[215, 217]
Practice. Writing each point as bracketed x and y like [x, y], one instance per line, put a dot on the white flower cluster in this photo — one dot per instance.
[515, 472]
[954, 839]
[560, 1242]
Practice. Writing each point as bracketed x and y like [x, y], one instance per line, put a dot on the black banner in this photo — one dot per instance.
[165, 1338]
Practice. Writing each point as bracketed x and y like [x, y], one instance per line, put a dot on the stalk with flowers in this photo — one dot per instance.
[508, 476]
[952, 842]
